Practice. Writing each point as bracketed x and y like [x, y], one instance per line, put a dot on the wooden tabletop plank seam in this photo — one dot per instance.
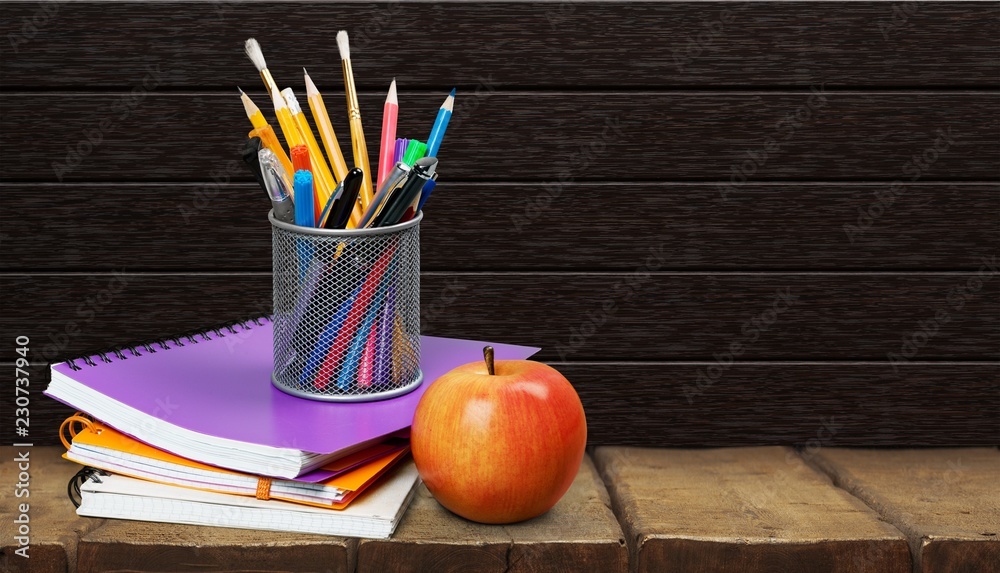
[944, 500]
[742, 510]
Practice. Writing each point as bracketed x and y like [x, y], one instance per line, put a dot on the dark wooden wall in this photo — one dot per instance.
[588, 202]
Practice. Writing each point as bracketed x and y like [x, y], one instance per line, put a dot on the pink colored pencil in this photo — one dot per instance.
[389, 114]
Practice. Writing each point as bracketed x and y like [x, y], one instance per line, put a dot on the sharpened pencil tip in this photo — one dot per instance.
[449, 102]
[310, 86]
[391, 97]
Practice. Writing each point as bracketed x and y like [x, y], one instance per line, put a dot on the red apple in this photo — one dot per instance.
[500, 444]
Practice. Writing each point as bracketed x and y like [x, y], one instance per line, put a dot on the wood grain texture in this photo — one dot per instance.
[803, 404]
[745, 510]
[662, 44]
[54, 525]
[121, 545]
[579, 534]
[945, 501]
[583, 316]
[601, 226]
[537, 136]
[750, 404]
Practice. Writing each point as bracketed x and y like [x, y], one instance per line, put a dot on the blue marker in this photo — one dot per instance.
[425, 193]
[305, 215]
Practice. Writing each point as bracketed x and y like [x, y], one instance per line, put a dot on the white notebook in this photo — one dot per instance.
[375, 514]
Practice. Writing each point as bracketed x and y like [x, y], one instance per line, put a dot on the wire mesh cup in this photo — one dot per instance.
[346, 311]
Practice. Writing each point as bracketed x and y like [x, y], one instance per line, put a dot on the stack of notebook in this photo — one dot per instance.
[192, 431]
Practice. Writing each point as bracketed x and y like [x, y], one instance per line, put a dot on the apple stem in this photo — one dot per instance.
[488, 355]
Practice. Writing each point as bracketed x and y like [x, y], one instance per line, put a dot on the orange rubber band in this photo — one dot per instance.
[69, 426]
[264, 488]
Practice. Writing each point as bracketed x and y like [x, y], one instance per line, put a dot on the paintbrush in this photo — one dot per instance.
[357, 132]
[252, 49]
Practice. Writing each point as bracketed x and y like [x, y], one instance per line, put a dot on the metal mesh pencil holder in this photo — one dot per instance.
[346, 311]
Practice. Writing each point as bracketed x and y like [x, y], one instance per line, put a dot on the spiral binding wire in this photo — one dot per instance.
[76, 482]
[166, 344]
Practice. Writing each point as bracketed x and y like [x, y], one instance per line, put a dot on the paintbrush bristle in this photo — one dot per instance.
[252, 49]
[343, 45]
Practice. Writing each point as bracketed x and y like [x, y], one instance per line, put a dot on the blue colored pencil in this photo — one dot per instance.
[440, 125]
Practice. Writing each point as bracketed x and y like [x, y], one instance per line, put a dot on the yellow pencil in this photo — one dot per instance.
[262, 130]
[288, 127]
[293, 137]
[357, 132]
[322, 119]
[253, 112]
[316, 160]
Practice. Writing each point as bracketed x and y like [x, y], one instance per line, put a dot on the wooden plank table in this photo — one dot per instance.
[579, 534]
[743, 510]
[54, 525]
[946, 501]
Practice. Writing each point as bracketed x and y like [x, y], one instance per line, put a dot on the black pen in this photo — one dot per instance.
[345, 205]
[393, 181]
[251, 158]
[401, 200]
[324, 217]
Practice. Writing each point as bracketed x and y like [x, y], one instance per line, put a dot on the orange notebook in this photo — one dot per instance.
[102, 447]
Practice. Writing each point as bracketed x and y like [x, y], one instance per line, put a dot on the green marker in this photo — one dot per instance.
[414, 151]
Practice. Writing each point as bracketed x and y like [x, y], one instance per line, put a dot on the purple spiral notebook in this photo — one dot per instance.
[213, 401]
